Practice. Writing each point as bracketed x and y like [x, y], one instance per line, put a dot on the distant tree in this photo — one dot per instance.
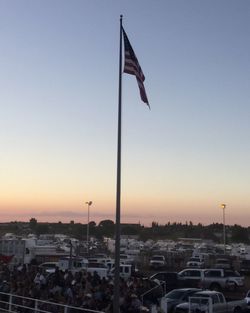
[154, 224]
[78, 231]
[129, 230]
[42, 229]
[106, 228]
[106, 223]
[33, 223]
[239, 234]
[14, 227]
[92, 224]
[155, 231]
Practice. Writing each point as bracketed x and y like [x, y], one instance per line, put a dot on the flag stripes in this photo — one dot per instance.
[132, 66]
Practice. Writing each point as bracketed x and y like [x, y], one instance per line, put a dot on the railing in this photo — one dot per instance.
[13, 303]
[162, 283]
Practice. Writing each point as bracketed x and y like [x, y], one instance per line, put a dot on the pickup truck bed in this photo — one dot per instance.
[211, 301]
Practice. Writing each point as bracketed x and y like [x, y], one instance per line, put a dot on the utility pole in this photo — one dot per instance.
[223, 205]
[89, 204]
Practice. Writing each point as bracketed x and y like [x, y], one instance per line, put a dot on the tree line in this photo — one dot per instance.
[106, 228]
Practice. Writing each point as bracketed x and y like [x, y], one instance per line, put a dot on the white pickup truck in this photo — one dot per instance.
[211, 301]
[214, 279]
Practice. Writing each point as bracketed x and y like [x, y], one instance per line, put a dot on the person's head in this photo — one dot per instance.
[133, 296]
[88, 296]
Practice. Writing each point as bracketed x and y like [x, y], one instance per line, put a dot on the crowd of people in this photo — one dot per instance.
[76, 290]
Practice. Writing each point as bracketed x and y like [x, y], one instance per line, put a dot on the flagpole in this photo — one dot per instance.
[116, 304]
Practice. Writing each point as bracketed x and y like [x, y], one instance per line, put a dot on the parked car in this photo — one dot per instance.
[99, 268]
[194, 264]
[126, 259]
[191, 277]
[245, 267]
[49, 267]
[98, 259]
[200, 302]
[74, 264]
[213, 279]
[219, 279]
[101, 255]
[223, 263]
[170, 278]
[126, 271]
[157, 261]
[177, 296]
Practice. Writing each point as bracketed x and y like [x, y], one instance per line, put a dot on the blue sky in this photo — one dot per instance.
[59, 89]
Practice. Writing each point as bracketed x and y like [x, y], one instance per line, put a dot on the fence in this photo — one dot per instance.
[201, 304]
[13, 303]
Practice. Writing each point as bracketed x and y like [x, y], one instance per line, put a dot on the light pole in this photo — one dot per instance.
[89, 204]
[223, 205]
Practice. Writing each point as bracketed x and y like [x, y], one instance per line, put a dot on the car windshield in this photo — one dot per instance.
[175, 294]
[194, 259]
[157, 258]
[222, 261]
[231, 273]
[200, 300]
[96, 265]
[49, 265]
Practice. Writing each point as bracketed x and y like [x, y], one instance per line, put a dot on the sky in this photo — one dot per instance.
[59, 101]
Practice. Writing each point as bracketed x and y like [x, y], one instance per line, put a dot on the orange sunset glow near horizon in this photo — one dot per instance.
[130, 214]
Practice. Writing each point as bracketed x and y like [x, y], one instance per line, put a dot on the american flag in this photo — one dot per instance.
[132, 66]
